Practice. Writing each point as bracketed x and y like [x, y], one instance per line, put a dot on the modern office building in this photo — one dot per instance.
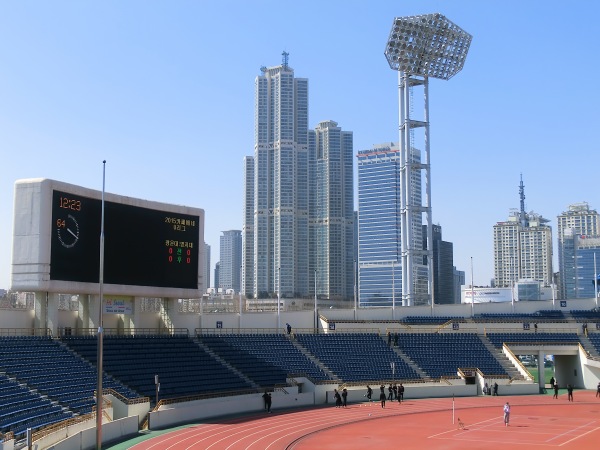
[332, 211]
[231, 260]
[379, 232]
[443, 266]
[206, 266]
[574, 227]
[217, 282]
[459, 281]
[280, 211]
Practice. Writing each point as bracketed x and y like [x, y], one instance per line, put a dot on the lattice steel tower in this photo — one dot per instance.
[420, 47]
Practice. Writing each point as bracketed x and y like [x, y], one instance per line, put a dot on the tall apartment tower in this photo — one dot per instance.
[231, 260]
[248, 228]
[443, 266]
[522, 247]
[379, 231]
[578, 239]
[331, 211]
[280, 211]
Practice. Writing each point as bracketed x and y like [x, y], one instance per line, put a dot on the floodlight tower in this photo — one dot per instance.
[420, 47]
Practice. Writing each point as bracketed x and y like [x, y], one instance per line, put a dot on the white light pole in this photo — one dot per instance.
[355, 280]
[420, 47]
[99, 361]
[393, 291]
[595, 280]
[472, 288]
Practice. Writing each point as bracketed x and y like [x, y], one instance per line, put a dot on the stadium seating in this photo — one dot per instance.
[357, 357]
[182, 366]
[441, 354]
[583, 316]
[46, 365]
[497, 339]
[270, 350]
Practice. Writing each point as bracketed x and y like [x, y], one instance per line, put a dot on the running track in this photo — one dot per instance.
[536, 422]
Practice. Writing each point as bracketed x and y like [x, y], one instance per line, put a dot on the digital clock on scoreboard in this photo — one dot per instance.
[142, 246]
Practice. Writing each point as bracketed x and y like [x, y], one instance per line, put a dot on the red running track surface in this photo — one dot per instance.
[539, 422]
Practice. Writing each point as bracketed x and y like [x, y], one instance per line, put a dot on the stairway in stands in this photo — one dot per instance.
[410, 362]
[508, 366]
[313, 358]
[225, 363]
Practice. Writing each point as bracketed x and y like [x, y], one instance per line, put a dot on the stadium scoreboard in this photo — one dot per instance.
[146, 244]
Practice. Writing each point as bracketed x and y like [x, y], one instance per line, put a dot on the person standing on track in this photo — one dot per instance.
[400, 393]
[506, 414]
[555, 389]
[598, 390]
[370, 391]
[268, 401]
[338, 398]
[570, 392]
[382, 395]
[344, 397]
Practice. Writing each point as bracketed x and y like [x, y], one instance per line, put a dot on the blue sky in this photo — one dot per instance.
[164, 91]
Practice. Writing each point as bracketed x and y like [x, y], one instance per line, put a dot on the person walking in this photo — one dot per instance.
[369, 392]
[570, 392]
[338, 398]
[506, 414]
[555, 389]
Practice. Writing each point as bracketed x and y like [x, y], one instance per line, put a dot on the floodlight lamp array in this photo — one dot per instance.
[427, 45]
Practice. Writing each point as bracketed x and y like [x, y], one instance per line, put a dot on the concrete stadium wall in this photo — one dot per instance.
[114, 431]
[17, 318]
[180, 413]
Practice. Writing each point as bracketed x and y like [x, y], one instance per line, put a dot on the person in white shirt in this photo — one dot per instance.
[506, 414]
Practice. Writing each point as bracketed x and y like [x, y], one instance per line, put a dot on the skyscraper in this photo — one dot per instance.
[379, 232]
[206, 266]
[231, 260]
[443, 266]
[332, 210]
[522, 247]
[280, 211]
[248, 228]
[578, 232]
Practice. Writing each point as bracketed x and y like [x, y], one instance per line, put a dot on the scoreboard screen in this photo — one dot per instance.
[142, 246]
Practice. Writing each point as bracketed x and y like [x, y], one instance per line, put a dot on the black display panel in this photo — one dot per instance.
[142, 246]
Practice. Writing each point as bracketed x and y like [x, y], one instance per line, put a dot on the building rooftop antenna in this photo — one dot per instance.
[285, 59]
[522, 213]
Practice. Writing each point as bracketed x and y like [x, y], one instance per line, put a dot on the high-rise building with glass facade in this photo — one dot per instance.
[231, 260]
[332, 211]
[280, 213]
[578, 241]
[379, 231]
